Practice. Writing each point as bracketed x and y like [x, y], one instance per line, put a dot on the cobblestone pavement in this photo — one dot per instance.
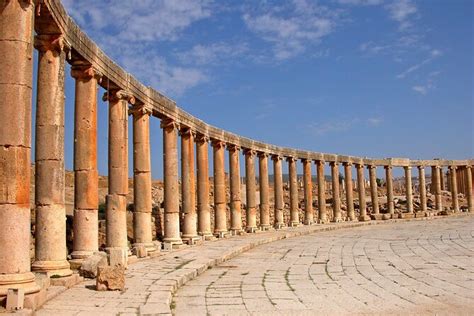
[418, 267]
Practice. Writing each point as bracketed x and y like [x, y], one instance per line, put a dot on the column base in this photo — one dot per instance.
[236, 232]
[173, 240]
[250, 230]
[52, 268]
[364, 218]
[265, 227]
[406, 215]
[279, 226]
[191, 240]
[25, 281]
[308, 222]
[323, 221]
[222, 234]
[376, 217]
[421, 214]
[387, 216]
[294, 224]
[81, 254]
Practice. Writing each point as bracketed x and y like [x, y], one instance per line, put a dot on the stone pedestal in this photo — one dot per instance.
[349, 191]
[308, 192]
[86, 179]
[264, 186]
[16, 78]
[220, 226]
[171, 184]
[454, 188]
[336, 198]
[142, 198]
[251, 213]
[294, 211]
[361, 190]
[322, 216]
[235, 197]
[278, 182]
[203, 210]
[50, 233]
[116, 200]
[373, 191]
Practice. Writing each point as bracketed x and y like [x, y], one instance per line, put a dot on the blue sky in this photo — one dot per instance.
[375, 78]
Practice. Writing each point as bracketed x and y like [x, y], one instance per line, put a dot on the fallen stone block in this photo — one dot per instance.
[89, 265]
[118, 257]
[15, 299]
[110, 278]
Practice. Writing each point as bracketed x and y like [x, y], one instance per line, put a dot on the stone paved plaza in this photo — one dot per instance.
[419, 267]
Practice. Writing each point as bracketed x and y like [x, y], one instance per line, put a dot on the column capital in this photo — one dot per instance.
[333, 163]
[346, 163]
[276, 157]
[201, 138]
[291, 159]
[262, 154]
[468, 167]
[186, 131]
[359, 166]
[118, 95]
[217, 143]
[452, 167]
[319, 162]
[53, 42]
[232, 147]
[407, 167]
[168, 123]
[249, 152]
[84, 71]
[420, 167]
[139, 110]
[388, 167]
[371, 167]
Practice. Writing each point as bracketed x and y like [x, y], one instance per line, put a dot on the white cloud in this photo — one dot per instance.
[373, 48]
[433, 54]
[212, 54]
[375, 121]
[360, 2]
[401, 11]
[292, 29]
[429, 85]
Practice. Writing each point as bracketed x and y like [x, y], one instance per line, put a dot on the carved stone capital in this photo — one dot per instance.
[291, 159]
[262, 154]
[452, 168]
[249, 152]
[187, 131]
[387, 167]
[233, 147]
[139, 110]
[201, 138]
[319, 162]
[53, 42]
[118, 95]
[347, 164]
[371, 167]
[84, 71]
[276, 157]
[333, 164]
[217, 143]
[169, 124]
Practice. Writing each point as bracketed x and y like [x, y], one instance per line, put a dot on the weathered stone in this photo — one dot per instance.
[15, 299]
[91, 264]
[110, 278]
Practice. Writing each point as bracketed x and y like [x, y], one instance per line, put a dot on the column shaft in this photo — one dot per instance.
[251, 213]
[408, 189]
[142, 198]
[171, 182]
[308, 192]
[278, 190]
[204, 214]
[264, 187]
[116, 211]
[336, 197]
[469, 196]
[16, 80]
[454, 188]
[235, 196]
[436, 179]
[188, 186]
[322, 215]
[294, 211]
[422, 188]
[220, 217]
[86, 179]
[349, 191]
[389, 184]
[361, 190]
[374, 196]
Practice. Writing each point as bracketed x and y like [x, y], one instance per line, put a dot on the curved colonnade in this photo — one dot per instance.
[58, 40]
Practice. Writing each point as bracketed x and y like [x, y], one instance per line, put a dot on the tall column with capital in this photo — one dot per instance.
[373, 191]
[308, 192]
[264, 186]
[422, 188]
[142, 199]
[349, 191]
[454, 188]
[203, 211]
[50, 233]
[251, 213]
[389, 185]
[86, 178]
[436, 184]
[294, 212]
[469, 196]
[116, 211]
[408, 189]
[235, 196]
[278, 190]
[442, 180]
[336, 197]
[16, 80]
[171, 183]
[220, 217]
[361, 190]
[322, 215]
[188, 187]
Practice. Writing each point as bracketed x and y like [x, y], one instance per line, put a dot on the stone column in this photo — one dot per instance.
[278, 190]
[86, 179]
[171, 229]
[374, 196]
[142, 199]
[203, 211]
[308, 192]
[220, 227]
[349, 191]
[454, 188]
[264, 186]
[361, 190]
[188, 187]
[116, 200]
[235, 196]
[50, 233]
[422, 188]
[469, 196]
[389, 183]
[294, 212]
[336, 197]
[251, 213]
[16, 80]
[408, 189]
[441, 179]
[322, 216]
[436, 179]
